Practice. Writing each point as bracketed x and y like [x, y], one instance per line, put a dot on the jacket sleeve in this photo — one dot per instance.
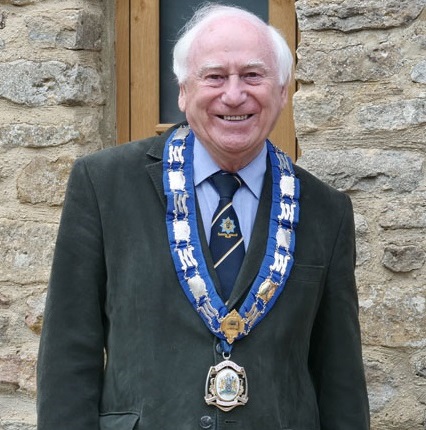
[335, 351]
[71, 354]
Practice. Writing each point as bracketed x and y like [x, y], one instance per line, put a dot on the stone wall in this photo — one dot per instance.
[56, 58]
[360, 116]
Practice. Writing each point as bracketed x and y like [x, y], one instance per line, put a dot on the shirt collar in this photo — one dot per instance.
[252, 174]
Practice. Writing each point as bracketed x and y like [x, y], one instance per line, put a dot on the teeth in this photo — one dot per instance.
[235, 117]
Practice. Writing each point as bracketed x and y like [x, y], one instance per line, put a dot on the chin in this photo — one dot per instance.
[235, 146]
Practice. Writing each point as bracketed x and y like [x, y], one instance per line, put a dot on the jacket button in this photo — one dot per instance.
[219, 348]
[206, 422]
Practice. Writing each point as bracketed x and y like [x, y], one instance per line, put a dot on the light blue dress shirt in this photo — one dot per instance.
[246, 198]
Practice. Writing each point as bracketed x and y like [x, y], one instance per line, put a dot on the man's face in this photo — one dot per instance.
[232, 97]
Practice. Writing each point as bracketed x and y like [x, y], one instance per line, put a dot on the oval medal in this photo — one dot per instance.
[227, 385]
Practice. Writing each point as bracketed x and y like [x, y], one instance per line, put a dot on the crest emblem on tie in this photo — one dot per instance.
[228, 228]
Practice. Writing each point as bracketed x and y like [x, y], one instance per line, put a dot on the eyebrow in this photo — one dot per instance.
[257, 63]
[208, 67]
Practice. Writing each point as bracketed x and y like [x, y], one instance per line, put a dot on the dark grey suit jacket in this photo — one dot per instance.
[122, 348]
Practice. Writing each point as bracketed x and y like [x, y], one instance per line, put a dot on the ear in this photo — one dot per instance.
[284, 95]
[182, 98]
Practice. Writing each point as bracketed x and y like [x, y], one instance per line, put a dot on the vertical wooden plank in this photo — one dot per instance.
[282, 15]
[122, 56]
[144, 68]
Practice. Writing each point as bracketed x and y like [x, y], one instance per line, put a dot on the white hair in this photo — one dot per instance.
[211, 11]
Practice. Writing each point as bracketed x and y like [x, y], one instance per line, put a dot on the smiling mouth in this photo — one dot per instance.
[234, 117]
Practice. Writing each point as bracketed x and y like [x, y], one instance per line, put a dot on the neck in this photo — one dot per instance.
[232, 163]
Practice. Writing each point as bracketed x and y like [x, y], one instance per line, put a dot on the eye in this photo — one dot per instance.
[252, 77]
[215, 79]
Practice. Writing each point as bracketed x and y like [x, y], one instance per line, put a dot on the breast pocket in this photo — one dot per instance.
[305, 273]
[302, 294]
[118, 421]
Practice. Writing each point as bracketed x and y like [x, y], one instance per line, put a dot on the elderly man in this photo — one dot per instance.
[200, 280]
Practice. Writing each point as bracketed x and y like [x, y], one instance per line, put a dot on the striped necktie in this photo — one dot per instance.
[226, 240]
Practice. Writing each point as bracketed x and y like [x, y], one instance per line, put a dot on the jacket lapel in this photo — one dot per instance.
[256, 250]
[155, 169]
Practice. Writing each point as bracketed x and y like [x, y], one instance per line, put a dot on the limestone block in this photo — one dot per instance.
[44, 181]
[9, 371]
[393, 314]
[350, 15]
[394, 403]
[7, 171]
[361, 224]
[26, 250]
[420, 38]
[418, 362]
[21, 2]
[21, 320]
[17, 412]
[4, 301]
[34, 312]
[363, 248]
[12, 330]
[347, 59]
[317, 110]
[4, 324]
[419, 73]
[49, 83]
[38, 135]
[382, 384]
[17, 371]
[403, 258]
[396, 115]
[70, 29]
[368, 170]
[405, 213]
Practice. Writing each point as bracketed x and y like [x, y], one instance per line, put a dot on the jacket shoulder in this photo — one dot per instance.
[314, 184]
[149, 149]
[321, 198]
[139, 150]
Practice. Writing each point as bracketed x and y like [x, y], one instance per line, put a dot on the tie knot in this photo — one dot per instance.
[226, 184]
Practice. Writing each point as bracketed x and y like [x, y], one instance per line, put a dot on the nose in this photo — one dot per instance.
[234, 93]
